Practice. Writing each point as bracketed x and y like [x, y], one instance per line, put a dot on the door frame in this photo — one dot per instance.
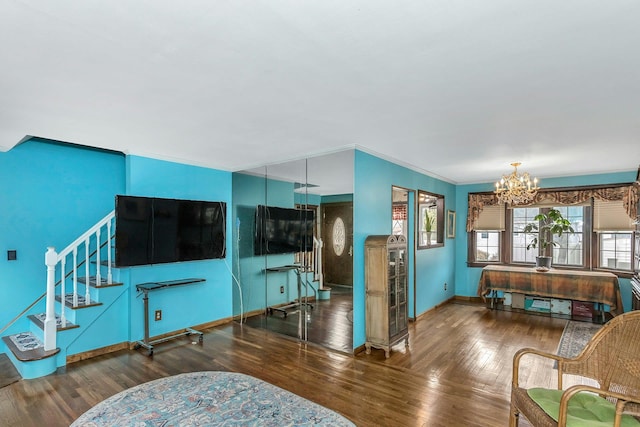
[326, 245]
[411, 235]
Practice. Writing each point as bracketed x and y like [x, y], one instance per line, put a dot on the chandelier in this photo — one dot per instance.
[516, 189]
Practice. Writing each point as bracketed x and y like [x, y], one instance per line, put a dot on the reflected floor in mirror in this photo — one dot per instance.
[329, 322]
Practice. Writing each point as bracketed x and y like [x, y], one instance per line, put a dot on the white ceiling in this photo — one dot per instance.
[326, 174]
[458, 89]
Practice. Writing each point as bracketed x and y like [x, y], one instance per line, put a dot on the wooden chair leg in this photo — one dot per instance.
[513, 417]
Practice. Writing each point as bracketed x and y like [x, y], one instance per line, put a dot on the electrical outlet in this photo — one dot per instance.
[158, 315]
[282, 289]
[445, 286]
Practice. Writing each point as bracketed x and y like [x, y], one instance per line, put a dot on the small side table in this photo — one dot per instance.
[298, 303]
[145, 288]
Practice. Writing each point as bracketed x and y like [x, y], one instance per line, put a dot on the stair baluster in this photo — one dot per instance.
[317, 262]
[75, 276]
[87, 299]
[50, 259]
[63, 289]
[98, 275]
[109, 276]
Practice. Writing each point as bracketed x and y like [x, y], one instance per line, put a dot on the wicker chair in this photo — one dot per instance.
[611, 358]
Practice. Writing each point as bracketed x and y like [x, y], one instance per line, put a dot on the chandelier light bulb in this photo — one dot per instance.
[515, 189]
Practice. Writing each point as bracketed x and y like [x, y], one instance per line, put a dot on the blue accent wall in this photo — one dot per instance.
[51, 193]
[467, 277]
[187, 305]
[307, 199]
[374, 179]
[259, 289]
[337, 198]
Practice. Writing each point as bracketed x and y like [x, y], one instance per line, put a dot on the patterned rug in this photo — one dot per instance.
[575, 337]
[26, 341]
[208, 399]
[43, 316]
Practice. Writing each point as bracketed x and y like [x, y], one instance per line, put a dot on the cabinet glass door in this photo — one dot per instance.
[392, 277]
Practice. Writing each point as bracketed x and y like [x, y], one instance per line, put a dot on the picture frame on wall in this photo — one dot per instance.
[451, 224]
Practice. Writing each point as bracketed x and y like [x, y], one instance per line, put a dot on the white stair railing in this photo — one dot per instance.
[317, 262]
[53, 259]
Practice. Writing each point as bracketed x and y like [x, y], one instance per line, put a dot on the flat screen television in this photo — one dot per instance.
[283, 230]
[152, 230]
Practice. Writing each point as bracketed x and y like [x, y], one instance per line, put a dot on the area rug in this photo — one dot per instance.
[575, 337]
[25, 341]
[208, 399]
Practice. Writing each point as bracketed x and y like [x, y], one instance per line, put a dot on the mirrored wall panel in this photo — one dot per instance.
[293, 268]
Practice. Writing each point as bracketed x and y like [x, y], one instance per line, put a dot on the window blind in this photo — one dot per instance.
[491, 219]
[610, 216]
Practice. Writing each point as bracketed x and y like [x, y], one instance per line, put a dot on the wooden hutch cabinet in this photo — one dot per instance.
[386, 292]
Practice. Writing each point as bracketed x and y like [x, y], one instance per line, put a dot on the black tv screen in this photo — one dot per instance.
[153, 230]
[283, 230]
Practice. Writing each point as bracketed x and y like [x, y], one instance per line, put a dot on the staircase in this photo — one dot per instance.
[80, 290]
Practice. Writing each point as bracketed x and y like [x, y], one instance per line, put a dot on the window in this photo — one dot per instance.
[570, 246]
[486, 238]
[616, 250]
[568, 249]
[519, 240]
[614, 229]
[604, 235]
[399, 213]
[430, 220]
[487, 246]
[398, 227]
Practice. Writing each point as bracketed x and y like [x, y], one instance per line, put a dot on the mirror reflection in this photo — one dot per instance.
[293, 268]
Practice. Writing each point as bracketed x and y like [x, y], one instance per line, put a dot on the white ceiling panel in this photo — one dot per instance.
[457, 89]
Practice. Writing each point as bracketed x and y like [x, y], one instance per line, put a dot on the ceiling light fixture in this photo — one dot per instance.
[516, 189]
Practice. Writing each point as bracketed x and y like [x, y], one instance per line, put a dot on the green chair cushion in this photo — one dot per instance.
[585, 409]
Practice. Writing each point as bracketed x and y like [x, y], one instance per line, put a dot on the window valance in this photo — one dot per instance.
[628, 194]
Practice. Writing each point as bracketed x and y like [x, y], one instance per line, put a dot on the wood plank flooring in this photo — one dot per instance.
[329, 323]
[456, 371]
[8, 373]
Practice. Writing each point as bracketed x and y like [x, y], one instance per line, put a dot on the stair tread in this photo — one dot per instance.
[68, 301]
[39, 318]
[105, 263]
[103, 282]
[26, 347]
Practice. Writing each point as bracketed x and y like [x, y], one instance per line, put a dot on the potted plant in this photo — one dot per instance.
[547, 225]
[429, 222]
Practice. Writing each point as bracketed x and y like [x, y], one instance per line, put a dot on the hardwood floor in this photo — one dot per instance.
[456, 371]
[329, 322]
[8, 373]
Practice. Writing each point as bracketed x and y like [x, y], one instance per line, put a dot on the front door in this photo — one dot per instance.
[337, 236]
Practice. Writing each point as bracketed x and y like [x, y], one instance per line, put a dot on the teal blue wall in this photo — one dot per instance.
[467, 277]
[191, 304]
[109, 328]
[374, 179]
[50, 193]
[337, 198]
[307, 199]
[259, 289]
